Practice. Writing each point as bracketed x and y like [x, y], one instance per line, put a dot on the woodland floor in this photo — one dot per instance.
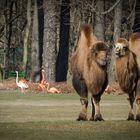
[64, 87]
[53, 117]
[41, 116]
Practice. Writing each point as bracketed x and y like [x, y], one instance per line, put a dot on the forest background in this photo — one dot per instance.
[36, 34]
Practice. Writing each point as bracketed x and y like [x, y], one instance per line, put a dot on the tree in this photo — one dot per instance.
[50, 39]
[117, 21]
[35, 46]
[99, 20]
[136, 27]
[62, 59]
[40, 28]
[26, 37]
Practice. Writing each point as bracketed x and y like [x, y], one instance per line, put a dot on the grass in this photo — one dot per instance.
[52, 117]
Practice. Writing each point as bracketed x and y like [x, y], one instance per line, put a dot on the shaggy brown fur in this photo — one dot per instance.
[88, 67]
[134, 44]
[126, 70]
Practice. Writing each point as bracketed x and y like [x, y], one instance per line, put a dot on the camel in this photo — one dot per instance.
[134, 45]
[88, 67]
[126, 71]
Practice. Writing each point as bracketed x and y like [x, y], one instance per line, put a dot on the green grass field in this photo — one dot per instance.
[53, 117]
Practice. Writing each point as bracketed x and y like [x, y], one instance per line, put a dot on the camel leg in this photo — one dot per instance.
[96, 109]
[131, 101]
[138, 109]
[138, 101]
[93, 110]
[81, 88]
[83, 112]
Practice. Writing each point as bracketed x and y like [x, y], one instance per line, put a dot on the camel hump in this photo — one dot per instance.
[86, 33]
[135, 36]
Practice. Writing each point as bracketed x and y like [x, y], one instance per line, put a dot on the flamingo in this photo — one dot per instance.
[43, 82]
[22, 84]
[109, 89]
[52, 89]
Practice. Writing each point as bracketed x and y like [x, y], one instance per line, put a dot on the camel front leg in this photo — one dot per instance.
[138, 101]
[137, 109]
[83, 113]
[96, 102]
[93, 110]
[131, 112]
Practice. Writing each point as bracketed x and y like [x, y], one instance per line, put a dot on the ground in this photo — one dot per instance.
[10, 84]
[64, 87]
[53, 117]
[39, 115]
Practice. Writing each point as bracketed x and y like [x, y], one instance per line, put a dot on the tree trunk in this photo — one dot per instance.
[8, 17]
[117, 21]
[136, 27]
[99, 20]
[116, 35]
[50, 39]
[35, 65]
[26, 37]
[40, 28]
[62, 59]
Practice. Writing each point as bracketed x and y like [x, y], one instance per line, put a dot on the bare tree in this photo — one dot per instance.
[26, 37]
[35, 47]
[99, 20]
[50, 39]
[62, 59]
[117, 21]
[136, 27]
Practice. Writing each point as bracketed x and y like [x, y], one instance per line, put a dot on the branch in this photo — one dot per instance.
[132, 10]
[105, 12]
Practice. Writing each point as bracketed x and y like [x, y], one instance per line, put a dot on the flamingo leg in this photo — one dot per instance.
[22, 90]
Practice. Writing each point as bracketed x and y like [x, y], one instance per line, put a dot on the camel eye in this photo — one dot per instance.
[125, 48]
[96, 53]
[92, 50]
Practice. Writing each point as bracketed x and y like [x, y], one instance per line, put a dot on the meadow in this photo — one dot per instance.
[44, 116]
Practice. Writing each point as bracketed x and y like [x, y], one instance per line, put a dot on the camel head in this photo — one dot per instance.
[98, 52]
[121, 47]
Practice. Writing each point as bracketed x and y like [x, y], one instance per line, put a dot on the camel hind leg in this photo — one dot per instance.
[93, 110]
[80, 87]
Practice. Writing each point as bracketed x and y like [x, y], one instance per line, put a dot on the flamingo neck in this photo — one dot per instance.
[43, 77]
[17, 78]
[48, 86]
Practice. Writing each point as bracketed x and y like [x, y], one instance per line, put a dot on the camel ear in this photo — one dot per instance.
[93, 49]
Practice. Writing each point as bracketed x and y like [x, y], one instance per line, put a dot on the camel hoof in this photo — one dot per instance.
[130, 117]
[91, 119]
[98, 117]
[138, 117]
[82, 117]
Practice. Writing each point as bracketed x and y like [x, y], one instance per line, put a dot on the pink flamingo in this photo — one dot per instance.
[42, 83]
[52, 89]
[22, 84]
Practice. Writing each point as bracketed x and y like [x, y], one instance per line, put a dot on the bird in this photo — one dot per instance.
[52, 89]
[42, 84]
[109, 89]
[43, 81]
[22, 84]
